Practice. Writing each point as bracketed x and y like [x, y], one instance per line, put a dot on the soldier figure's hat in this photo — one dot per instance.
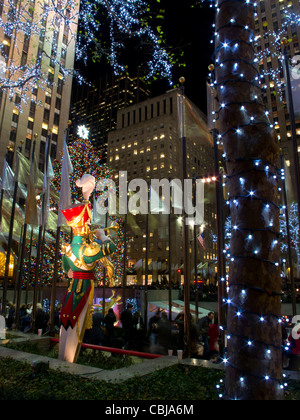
[79, 215]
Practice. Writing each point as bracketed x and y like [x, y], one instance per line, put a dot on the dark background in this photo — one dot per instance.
[187, 29]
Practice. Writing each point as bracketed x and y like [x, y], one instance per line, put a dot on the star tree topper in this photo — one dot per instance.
[83, 132]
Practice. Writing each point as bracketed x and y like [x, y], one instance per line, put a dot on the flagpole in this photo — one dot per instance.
[64, 195]
[22, 256]
[286, 212]
[1, 196]
[220, 244]
[285, 43]
[170, 257]
[195, 255]
[146, 263]
[9, 243]
[187, 286]
[125, 263]
[39, 243]
[104, 273]
[19, 275]
[54, 281]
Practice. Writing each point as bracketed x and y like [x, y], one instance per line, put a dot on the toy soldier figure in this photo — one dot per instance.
[79, 262]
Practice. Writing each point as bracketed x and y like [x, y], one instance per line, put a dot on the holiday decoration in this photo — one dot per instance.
[79, 262]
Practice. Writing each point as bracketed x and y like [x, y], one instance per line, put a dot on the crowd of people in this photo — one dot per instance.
[25, 318]
[159, 336]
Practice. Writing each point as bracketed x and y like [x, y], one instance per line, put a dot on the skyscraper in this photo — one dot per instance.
[147, 145]
[37, 49]
[96, 107]
[277, 19]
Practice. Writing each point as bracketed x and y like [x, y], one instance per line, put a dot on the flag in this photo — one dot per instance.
[24, 168]
[31, 215]
[65, 201]
[192, 123]
[7, 178]
[294, 76]
[212, 107]
[48, 176]
[295, 81]
[138, 264]
[201, 240]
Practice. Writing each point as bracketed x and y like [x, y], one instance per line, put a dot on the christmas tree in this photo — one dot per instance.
[85, 159]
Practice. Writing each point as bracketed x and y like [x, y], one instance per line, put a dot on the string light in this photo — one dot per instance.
[228, 61]
[126, 20]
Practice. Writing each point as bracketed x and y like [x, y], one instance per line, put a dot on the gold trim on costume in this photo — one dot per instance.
[86, 266]
[91, 249]
[76, 221]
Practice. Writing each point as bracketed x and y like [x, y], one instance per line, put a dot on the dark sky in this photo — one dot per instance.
[191, 30]
[187, 29]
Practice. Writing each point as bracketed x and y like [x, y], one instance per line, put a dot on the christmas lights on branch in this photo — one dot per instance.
[251, 154]
[81, 31]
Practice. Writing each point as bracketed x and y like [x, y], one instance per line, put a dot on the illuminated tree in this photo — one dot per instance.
[254, 357]
[85, 159]
[104, 28]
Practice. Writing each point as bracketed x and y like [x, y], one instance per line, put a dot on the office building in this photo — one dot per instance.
[96, 107]
[146, 144]
[278, 17]
[31, 113]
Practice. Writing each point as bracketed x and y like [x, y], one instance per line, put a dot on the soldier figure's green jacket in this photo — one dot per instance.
[79, 261]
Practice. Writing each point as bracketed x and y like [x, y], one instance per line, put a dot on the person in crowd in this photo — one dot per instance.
[22, 316]
[164, 334]
[179, 324]
[109, 321]
[203, 327]
[213, 334]
[195, 336]
[127, 325]
[41, 319]
[139, 331]
[95, 335]
[10, 315]
[57, 321]
[153, 329]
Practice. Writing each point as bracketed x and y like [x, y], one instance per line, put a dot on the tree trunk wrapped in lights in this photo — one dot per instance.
[254, 358]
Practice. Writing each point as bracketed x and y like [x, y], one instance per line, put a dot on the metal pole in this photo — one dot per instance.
[195, 256]
[9, 242]
[125, 264]
[39, 246]
[54, 281]
[104, 274]
[187, 286]
[146, 265]
[170, 256]
[293, 124]
[286, 211]
[220, 244]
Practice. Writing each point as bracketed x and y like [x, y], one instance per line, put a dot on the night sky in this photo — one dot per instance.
[186, 29]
